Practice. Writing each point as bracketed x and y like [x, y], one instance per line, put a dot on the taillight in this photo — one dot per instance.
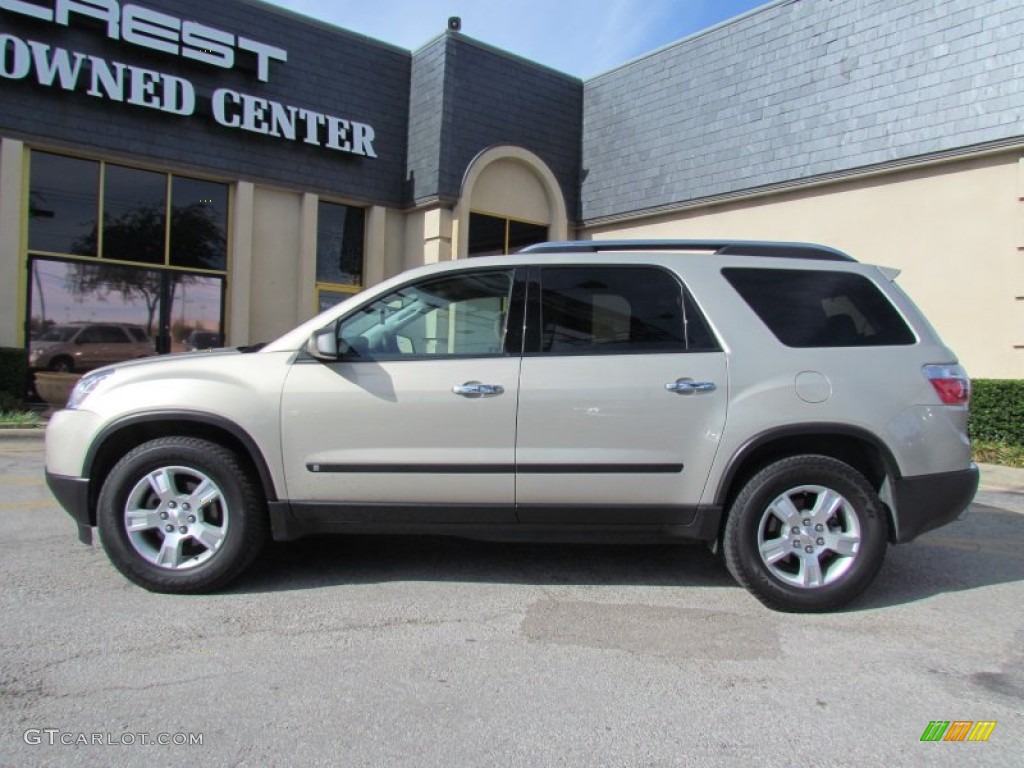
[950, 382]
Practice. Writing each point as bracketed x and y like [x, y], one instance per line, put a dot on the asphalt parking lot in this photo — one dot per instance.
[432, 652]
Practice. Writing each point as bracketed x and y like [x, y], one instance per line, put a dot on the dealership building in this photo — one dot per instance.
[232, 168]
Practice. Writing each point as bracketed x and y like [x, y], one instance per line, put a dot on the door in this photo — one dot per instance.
[623, 394]
[415, 422]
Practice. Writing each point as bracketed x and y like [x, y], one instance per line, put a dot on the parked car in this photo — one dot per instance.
[781, 402]
[84, 346]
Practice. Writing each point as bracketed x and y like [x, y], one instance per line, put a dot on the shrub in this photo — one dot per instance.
[13, 372]
[997, 411]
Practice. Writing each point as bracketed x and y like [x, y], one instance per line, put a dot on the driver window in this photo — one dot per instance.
[459, 316]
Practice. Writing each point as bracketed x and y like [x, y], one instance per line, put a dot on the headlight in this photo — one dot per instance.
[85, 387]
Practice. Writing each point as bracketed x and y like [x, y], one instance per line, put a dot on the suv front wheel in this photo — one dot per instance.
[181, 515]
[806, 533]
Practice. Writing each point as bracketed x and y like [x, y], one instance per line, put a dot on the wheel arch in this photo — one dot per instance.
[859, 448]
[122, 435]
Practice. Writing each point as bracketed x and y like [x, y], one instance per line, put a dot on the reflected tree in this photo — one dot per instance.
[139, 234]
[197, 238]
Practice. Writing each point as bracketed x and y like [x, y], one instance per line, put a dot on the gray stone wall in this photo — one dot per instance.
[496, 98]
[426, 120]
[467, 97]
[800, 89]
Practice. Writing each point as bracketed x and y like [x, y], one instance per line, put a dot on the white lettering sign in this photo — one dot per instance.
[157, 31]
[116, 81]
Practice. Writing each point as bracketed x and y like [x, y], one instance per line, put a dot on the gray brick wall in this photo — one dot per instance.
[800, 89]
[328, 70]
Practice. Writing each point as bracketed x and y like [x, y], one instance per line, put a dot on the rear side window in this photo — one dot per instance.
[618, 310]
[808, 308]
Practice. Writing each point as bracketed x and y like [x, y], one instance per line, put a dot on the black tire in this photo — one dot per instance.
[811, 486]
[62, 364]
[207, 538]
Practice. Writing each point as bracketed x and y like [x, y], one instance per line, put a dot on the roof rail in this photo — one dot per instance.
[717, 247]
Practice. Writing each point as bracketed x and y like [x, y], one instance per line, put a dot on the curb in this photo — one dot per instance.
[22, 433]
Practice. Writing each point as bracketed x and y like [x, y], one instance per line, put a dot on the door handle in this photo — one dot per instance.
[688, 386]
[476, 389]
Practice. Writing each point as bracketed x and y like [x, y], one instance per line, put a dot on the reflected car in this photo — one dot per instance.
[84, 346]
[199, 340]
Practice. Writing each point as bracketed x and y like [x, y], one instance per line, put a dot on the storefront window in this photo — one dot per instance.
[340, 238]
[63, 205]
[494, 235]
[147, 310]
[199, 220]
[134, 215]
[157, 248]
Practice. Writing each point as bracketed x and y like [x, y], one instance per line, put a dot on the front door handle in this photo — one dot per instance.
[476, 389]
[688, 386]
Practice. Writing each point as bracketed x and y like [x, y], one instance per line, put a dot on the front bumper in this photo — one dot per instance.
[73, 494]
[926, 502]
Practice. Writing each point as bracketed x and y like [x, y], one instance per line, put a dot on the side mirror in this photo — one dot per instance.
[323, 345]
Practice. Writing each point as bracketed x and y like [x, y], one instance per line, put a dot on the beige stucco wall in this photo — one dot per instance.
[12, 165]
[955, 230]
[276, 263]
[511, 189]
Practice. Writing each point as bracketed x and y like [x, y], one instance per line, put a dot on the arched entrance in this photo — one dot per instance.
[510, 199]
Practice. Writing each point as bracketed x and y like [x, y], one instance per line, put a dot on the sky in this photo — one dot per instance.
[579, 37]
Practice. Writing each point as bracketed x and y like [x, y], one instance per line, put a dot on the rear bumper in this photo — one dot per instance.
[926, 502]
[73, 494]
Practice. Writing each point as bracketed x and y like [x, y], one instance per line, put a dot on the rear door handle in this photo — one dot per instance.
[688, 386]
[476, 389]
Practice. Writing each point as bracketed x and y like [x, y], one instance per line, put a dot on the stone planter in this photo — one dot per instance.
[54, 388]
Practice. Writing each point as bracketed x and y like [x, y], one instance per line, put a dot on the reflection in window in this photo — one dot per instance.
[194, 310]
[339, 244]
[821, 309]
[168, 306]
[134, 215]
[199, 221]
[152, 225]
[612, 310]
[493, 235]
[328, 299]
[65, 292]
[138, 219]
[63, 204]
[464, 316]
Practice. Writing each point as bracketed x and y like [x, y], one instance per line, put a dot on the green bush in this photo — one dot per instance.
[13, 372]
[9, 403]
[997, 411]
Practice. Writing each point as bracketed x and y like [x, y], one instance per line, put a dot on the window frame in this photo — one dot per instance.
[102, 163]
[513, 338]
[28, 255]
[508, 220]
[532, 342]
[891, 336]
[347, 290]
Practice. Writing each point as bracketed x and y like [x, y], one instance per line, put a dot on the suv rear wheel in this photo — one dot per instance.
[181, 515]
[807, 533]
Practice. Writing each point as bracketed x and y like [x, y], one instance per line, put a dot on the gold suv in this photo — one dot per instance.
[84, 346]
